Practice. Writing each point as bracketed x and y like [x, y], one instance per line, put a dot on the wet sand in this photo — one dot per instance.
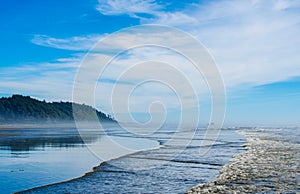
[270, 165]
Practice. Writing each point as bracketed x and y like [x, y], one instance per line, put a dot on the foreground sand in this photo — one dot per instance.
[270, 165]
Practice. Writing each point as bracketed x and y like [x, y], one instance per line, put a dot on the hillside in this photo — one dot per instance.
[20, 108]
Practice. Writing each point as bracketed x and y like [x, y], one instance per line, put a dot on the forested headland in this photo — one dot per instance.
[26, 109]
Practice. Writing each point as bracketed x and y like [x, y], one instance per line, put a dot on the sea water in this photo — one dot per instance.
[170, 168]
[32, 157]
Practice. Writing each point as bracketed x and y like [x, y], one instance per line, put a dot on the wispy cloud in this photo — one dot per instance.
[253, 42]
[51, 81]
[128, 7]
[77, 43]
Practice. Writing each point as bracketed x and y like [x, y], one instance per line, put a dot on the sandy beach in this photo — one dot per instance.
[270, 165]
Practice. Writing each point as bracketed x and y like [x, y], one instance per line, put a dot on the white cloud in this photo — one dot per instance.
[178, 72]
[253, 42]
[50, 81]
[240, 34]
[129, 7]
[76, 43]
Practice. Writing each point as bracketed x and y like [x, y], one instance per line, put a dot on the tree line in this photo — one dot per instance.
[20, 108]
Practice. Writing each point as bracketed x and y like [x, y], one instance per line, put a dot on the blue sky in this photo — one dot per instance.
[254, 43]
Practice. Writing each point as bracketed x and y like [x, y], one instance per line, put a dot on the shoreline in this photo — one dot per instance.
[268, 165]
[72, 185]
[94, 169]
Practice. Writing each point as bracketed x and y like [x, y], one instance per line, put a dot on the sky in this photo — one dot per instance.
[254, 43]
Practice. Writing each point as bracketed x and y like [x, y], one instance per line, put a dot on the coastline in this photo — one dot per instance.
[268, 165]
[94, 169]
[174, 177]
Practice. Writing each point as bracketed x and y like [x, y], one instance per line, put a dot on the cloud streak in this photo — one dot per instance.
[76, 43]
[128, 7]
[52, 81]
[253, 42]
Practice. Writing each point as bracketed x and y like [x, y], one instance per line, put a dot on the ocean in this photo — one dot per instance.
[59, 158]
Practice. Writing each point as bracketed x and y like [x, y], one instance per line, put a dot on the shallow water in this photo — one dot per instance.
[158, 170]
[31, 157]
